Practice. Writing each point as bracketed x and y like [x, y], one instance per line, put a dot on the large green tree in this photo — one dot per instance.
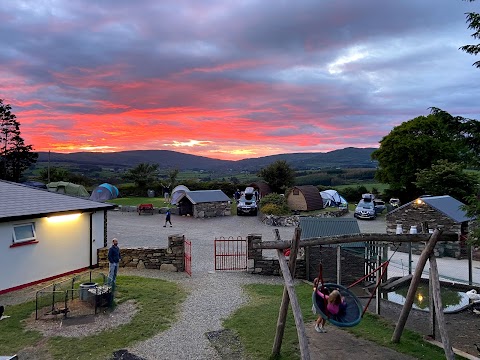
[446, 178]
[142, 175]
[473, 21]
[15, 156]
[279, 175]
[413, 146]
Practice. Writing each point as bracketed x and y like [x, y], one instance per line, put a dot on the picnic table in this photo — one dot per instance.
[145, 209]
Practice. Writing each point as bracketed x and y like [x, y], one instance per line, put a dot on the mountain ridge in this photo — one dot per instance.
[347, 157]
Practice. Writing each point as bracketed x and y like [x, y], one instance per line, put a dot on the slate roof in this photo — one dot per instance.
[312, 196]
[18, 201]
[445, 204]
[313, 227]
[448, 206]
[203, 196]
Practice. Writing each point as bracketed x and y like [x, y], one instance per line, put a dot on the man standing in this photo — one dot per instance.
[113, 259]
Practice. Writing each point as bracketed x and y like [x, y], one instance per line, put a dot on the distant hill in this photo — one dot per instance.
[348, 157]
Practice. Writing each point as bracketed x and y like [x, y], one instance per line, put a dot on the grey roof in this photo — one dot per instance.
[313, 227]
[449, 206]
[203, 196]
[23, 202]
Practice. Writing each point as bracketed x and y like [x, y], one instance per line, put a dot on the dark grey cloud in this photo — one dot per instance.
[367, 64]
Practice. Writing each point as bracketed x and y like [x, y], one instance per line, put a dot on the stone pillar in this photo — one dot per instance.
[253, 254]
[176, 246]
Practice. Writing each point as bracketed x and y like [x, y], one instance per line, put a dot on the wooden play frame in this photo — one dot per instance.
[289, 294]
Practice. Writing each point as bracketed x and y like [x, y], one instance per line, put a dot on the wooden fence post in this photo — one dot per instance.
[289, 273]
[402, 320]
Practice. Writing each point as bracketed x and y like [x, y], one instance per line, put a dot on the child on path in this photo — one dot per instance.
[167, 218]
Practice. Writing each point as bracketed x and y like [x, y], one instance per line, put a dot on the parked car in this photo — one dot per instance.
[365, 210]
[247, 205]
[379, 206]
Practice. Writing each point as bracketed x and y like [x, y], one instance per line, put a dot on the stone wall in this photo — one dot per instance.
[171, 258]
[212, 209]
[259, 265]
[293, 220]
[425, 218]
[352, 264]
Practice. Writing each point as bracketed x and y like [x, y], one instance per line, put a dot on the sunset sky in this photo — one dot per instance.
[231, 79]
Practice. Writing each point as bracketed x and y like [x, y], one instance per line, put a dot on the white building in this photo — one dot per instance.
[45, 235]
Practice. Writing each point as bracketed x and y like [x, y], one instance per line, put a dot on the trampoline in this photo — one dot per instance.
[352, 314]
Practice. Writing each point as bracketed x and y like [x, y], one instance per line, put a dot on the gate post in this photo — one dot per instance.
[253, 254]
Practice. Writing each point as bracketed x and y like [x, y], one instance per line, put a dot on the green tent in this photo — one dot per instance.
[68, 188]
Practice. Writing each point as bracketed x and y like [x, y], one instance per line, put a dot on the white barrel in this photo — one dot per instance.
[413, 229]
[399, 229]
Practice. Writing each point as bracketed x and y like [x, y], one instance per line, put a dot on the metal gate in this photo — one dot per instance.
[230, 254]
[188, 257]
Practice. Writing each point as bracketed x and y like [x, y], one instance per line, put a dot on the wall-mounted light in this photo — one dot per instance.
[63, 218]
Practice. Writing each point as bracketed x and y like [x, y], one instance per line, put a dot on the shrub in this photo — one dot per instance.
[273, 198]
[273, 209]
[274, 204]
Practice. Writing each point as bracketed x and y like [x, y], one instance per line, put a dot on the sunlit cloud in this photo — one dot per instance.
[231, 80]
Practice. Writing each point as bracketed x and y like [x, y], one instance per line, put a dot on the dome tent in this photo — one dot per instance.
[177, 192]
[104, 192]
[68, 188]
[331, 198]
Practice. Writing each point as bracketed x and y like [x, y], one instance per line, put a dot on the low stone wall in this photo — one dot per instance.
[156, 210]
[171, 258]
[293, 220]
[212, 209]
[259, 265]
[442, 249]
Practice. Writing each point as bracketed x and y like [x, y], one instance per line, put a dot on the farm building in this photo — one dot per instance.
[204, 203]
[304, 198]
[425, 214]
[45, 235]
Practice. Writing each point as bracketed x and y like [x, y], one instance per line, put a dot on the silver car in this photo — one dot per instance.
[365, 210]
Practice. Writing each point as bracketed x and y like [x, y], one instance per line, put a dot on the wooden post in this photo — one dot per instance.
[282, 314]
[431, 305]
[377, 290]
[414, 285]
[442, 328]
[339, 264]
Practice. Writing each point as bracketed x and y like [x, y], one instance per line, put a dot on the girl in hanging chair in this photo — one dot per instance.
[334, 304]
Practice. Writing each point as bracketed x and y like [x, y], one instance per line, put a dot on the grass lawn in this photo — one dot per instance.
[135, 201]
[158, 304]
[256, 322]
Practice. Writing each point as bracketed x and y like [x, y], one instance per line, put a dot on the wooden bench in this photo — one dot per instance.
[145, 209]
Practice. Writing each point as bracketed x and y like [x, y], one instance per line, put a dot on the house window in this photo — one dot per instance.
[24, 233]
[296, 192]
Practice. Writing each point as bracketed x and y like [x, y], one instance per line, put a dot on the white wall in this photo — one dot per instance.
[62, 247]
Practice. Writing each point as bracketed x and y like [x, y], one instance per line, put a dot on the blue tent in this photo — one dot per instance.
[104, 192]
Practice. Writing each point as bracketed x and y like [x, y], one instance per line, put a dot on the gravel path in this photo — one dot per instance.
[213, 296]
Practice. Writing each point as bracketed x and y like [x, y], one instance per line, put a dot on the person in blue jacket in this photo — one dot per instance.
[167, 218]
[114, 260]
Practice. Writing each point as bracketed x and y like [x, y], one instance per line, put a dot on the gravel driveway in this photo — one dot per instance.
[213, 295]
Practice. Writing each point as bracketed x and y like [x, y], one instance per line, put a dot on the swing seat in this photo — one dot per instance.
[350, 316]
